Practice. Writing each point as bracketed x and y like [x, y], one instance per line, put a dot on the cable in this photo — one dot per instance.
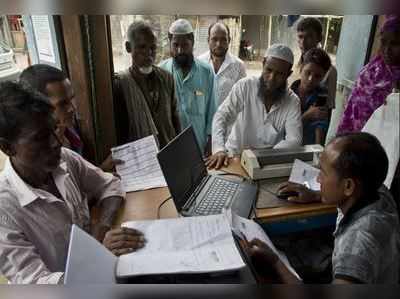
[159, 207]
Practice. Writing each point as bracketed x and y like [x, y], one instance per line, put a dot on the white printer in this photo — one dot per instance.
[272, 163]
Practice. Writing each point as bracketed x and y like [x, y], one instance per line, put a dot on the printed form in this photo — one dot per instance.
[183, 245]
[140, 170]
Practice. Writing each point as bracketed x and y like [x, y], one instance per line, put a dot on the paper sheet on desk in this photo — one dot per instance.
[251, 230]
[304, 174]
[183, 245]
[141, 169]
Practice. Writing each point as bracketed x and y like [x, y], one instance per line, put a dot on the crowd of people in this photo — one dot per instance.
[46, 185]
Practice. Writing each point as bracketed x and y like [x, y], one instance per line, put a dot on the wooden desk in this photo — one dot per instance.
[144, 205]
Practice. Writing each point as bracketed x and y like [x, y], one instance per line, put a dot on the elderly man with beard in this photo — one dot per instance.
[144, 94]
[264, 112]
[194, 83]
[228, 69]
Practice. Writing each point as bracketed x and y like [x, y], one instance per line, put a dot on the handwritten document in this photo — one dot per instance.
[185, 245]
[304, 174]
[140, 170]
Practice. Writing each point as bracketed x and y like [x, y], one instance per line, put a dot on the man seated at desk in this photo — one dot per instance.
[44, 189]
[264, 112]
[366, 250]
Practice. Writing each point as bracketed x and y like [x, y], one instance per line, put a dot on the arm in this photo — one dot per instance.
[223, 119]
[331, 85]
[211, 103]
[262, 257]
[20, 261]
[242, 71]
[174, 108]
[293, 127]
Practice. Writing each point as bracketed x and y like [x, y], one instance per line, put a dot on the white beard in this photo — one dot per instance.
[146, 70]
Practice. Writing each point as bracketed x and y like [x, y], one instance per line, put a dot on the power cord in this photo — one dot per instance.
[159, 207]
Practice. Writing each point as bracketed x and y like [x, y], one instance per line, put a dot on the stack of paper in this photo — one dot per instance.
[140, 170]
[201, 244]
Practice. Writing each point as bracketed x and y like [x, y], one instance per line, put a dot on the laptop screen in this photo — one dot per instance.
[182, 165]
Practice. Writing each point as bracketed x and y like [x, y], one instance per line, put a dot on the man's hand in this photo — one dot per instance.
[260, 253]
[217, 160]
[123, 240]
[316, 113]
[305, 195]
[109, 164]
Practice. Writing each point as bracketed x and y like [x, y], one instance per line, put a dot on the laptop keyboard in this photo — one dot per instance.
[220, 192]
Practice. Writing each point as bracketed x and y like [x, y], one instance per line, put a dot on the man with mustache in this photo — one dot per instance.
[228, 69]
[144, 95]
[194, 83]
[264, 112]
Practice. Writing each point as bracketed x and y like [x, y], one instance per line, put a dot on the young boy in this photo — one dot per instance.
[366, 250]
[44, 189]
[313, 96]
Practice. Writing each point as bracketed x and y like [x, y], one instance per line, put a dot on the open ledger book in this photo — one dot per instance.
[187, 245]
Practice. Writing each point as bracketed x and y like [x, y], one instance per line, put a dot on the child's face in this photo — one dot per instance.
[311, 76]
[332, 186]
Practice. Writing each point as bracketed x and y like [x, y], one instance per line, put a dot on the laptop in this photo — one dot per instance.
[193, 190]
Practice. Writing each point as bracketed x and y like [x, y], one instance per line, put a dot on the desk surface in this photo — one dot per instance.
[143, 205]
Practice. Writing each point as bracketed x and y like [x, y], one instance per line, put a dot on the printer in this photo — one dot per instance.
[273, 163]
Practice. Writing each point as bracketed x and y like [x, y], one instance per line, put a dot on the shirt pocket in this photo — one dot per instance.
[196, 104]
[268, 135]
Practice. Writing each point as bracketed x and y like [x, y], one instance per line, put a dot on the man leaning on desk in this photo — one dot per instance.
[44, 189]
[263, 111]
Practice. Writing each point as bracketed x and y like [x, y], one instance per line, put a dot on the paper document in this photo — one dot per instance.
[140, 170]
[304, 174]
[251, 230]
[384, 124]
[184, 245]
[88, 260]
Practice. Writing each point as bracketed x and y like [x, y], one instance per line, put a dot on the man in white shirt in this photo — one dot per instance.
[264, 112]
[228, 69]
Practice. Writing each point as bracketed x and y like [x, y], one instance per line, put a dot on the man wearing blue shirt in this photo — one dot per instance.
[194, 83]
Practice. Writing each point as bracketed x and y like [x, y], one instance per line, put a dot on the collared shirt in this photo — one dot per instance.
[35, 225]
[231, 71]
[253, 126]
[196, 97]
[367, 242]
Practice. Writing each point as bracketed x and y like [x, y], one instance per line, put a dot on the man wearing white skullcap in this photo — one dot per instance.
[194, 83]
[264, 112]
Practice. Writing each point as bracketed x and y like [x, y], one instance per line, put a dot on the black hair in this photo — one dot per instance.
[18, 104]
[39, 75]
[139, 27]
[220, 23]
[362, 157]
[189, 36]
[317, 56]
[310, 23]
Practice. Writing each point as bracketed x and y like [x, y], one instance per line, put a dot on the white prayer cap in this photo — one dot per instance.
[180, 27]
[280, 51]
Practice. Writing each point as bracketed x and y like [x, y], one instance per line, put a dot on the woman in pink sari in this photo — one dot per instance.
[376, 80]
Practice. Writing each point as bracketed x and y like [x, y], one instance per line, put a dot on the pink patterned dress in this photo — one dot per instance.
[375, 82]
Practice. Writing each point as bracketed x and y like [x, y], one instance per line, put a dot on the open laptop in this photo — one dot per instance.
[192, 189]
